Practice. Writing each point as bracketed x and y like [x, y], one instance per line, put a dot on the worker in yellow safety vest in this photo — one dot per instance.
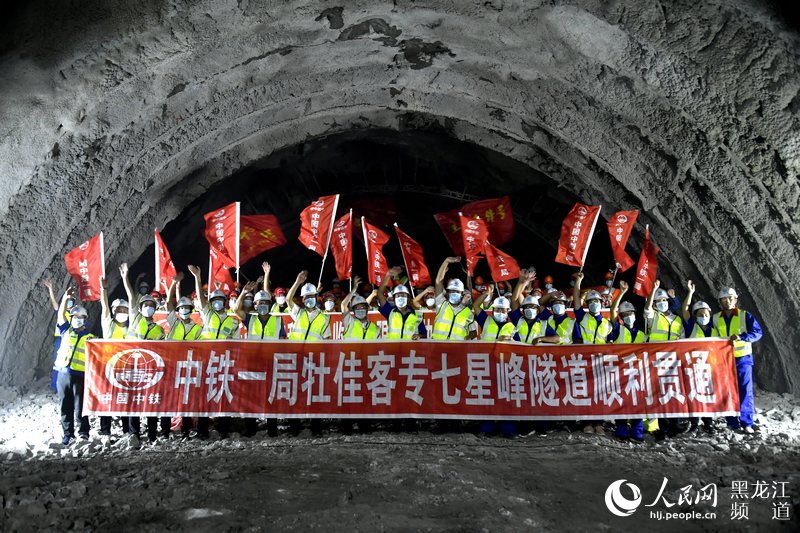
[114, 322]
[403, 316]
[554, 314]
[453, 317]
[310, 323]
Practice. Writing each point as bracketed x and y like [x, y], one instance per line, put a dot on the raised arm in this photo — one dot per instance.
[392, 273]
[123, 272]
[685, 310]
[266, 268]
[198, 286]
[526, 278]
[173, 286]
[623, 288]
[476, 305]
[648, 305]
[237, 306]
[62, 307]
[349, 296]
[421, 296]
[49, 284]
[443, 272]
[372, 296]
[105, 310]
[576, 292]
[301, 278]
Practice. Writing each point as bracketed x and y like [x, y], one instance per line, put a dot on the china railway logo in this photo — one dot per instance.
[472, 224]
[619, 504]
[372, 235]
[622, 219]
[135, 369]
[582, 211]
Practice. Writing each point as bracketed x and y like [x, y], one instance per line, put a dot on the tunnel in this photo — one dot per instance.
[129, 116]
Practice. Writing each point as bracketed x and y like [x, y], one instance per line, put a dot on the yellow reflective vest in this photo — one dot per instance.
[449, 325]
[529, 332]
[491, 329]
[625, 336]
[403, 327]
[356, 330]
[305, 329]
[665, 330]
[737, 326]
[698, 333]
[143, 330]
[215, 327]
[563, 329]
[256, 330]
[178, 331]
[72, 351]
[594, 331]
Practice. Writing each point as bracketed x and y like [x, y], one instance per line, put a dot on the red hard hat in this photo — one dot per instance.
[329, 296]
[478, 280]
[548, 279]
[280, 291]
[609, 275]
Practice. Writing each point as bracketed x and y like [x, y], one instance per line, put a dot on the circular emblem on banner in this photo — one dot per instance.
[319, 203]
[582, 211]
[135, 369]
[372, 235]
[473, 224]
[617, 503]
[622, 219]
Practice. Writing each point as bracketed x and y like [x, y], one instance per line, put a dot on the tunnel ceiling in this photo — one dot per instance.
[120, 116]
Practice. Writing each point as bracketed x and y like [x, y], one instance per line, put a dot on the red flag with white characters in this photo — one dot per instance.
[219, 266]
[474, 235]
[647, 269]
[258, 233]
[495, 212]
[374, 239]
[342, 245]
[502, 265]
[619, 230]
[222, 231]
[86, 264]
[418, 274]
[316, 223]
[576, 234]
[165, 269]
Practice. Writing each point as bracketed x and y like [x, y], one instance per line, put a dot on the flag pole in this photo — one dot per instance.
[405, 263]
[351, 250]
[328, 241]
[155, 247]
[591, 235]
[102, 255]
[238, 236]
[366, 249]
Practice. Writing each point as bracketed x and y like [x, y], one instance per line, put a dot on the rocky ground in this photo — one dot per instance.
[384, 480]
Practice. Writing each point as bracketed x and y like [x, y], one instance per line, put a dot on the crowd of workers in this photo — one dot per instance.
[525, 313]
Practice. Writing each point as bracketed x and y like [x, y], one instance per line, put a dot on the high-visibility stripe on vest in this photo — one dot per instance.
[72, 351]
[738, 326]
[355, 330]
[142, 330]
[215, 327]
[529, 332]
[563, 329]
[698, 333]
[449, 325]
[117, 331]
[594, 331]
[178, 331]
[304, 329]
[491, 329]
[403, 327]
[57, 332]
[625, 336]
[256, 330]
[664, 330]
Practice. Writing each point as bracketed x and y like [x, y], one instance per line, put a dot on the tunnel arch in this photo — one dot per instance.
[688, 113]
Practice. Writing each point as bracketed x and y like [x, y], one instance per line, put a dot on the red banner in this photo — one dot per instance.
[619, 230]
[495, 212]
[502, 265]
[418, 275]
[647, 269]
[374, 239]
[222, 231]
[165, 270]
[474, 234]
[218, 270]
[576, 234]
[426, 379]
[86, 264]
[316, 223]
[258, 233]
[342, 246]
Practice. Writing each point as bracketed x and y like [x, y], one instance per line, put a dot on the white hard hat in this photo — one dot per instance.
[358, 300]
[700, 305]
[78, 310]
[185, 302]
[661, 294]
[455, 285]
[559, 296]
[308, 290]
[119, 302]
[261, 296]
[501, 301]
[217, 294]
[626, 307]
[147, 298]
[530, 300]
[728, 292]
[400, 289]
[551, 289]
[593, 295]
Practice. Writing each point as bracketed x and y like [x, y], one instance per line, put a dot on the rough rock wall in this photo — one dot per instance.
[115, 116]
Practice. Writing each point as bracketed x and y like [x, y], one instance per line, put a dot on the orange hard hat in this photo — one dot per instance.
[478, 280]
[610, 275]
[548, 279]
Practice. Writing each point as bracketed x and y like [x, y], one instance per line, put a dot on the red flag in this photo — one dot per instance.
[86, 264]
[647, 269]
[316, 223]
[619, 230]
[502, 265]
[495, 212]
[258, 233]
[222, 231]
[342, 246]
[418, 274]
[474, 234]
[576, 234]
[165, 269]
[374, 239]
[218, 270]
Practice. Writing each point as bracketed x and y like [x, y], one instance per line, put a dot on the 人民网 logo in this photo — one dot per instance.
[135, 369]
[619, 504]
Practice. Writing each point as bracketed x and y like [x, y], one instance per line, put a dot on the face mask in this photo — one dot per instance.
[629, 320]
[703, 320]
[281, 300]
[310, 303]
[184, 312]
[329, 305]
[609, 283]
[454, 298]
[594, 308]
[70, 304]
[500, 317]
[430, 302]
[232, 303]
[148, 311]
[361, 314]
[401, 302]
[662, 306]
[262, 309]
[558, 309]
[548, 286]
[77, 323]
[121, 317]
[572, 283]
[529, 312]
[217, 305]
[248, 302]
